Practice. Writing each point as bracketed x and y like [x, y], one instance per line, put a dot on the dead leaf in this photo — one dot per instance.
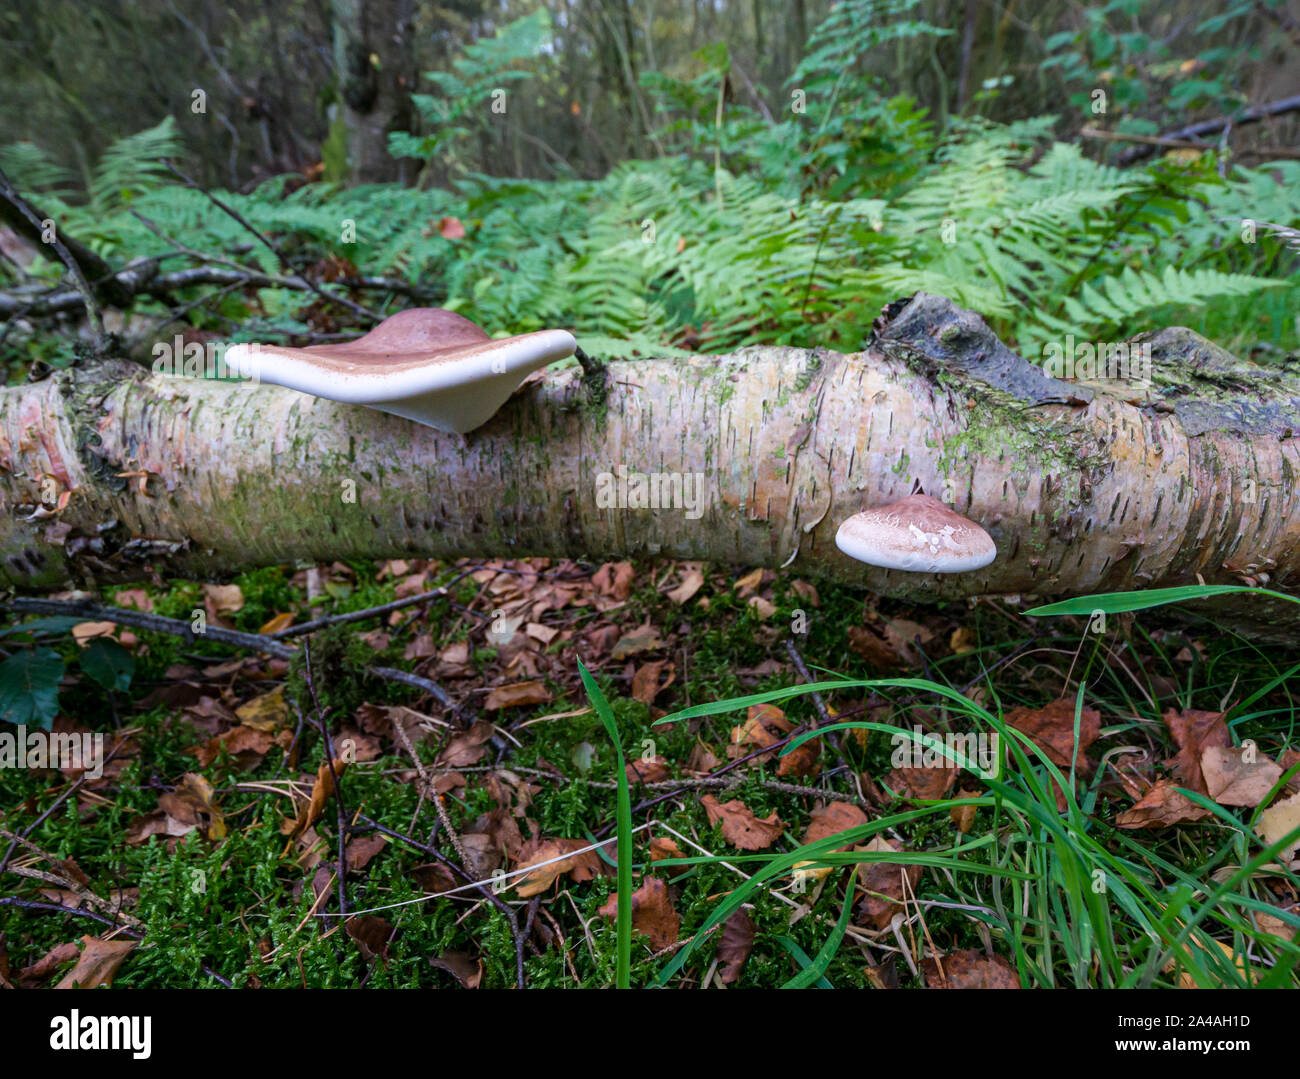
[85, 632]
[653, 915]
[466, 748]
[321, 792]
[662, 847]
[283, 620]
[1233, 780]
[692, 580]
[827, 820]
[191, 806]
[1194, 732]
[963, 816]
[362, 850]
[371, 932]
[752, 581]
[740, 827]
[642, 639]
[223, 598]
[614, 579]
[969, 969]
[734, 945]
[883, 884]
[1161, 807]
[265, 713]
[653, 770]
[1276, 821]
[581, 866]
[519, 695]
[246, 744]
[1051, 728]
[97, 964]
[461, 966]
[646, 682]
[924, 783]
[30, 977]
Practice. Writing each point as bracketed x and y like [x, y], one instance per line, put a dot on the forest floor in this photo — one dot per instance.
[207, 851]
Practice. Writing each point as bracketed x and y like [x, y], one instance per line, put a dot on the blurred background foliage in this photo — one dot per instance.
[667, 174]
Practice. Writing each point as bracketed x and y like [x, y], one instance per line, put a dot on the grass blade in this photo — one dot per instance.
[623, 967]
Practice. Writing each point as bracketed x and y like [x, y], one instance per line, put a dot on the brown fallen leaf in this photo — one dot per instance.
[614, 579]
[654, 770]
[647, 683]
[223, 598]
[29, 977]
[804, 760]
[692, 580]
[1051, 728]
[97, 964]
[466, 748]
[829, 819]
[1238, 777]
[969, 969]
[740, 827]
[266, 712]
[653, 915]
[371, 932]
[925, 783]
[662, 847]
[1194, 732]
[963, 816]
[191, 805]
[519, 695]
[1161, 807]
[734, 945]
[882, 883]
[748, 584]
[361, 851]
[461, 966]
[644, 638]
[581, 867]
[321, 792]
[246, 745]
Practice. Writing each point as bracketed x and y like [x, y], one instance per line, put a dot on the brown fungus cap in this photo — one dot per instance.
[426, 364]
[916, 533]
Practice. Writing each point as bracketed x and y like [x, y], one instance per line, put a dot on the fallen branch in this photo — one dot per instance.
[1250, 115]
[757, 458]
[257, 642]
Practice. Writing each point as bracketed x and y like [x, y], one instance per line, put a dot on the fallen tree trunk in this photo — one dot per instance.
[749, 459]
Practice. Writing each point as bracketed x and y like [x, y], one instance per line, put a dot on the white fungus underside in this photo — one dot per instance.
[450, 395]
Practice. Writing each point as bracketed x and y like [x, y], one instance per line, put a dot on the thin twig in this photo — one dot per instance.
[230, 211]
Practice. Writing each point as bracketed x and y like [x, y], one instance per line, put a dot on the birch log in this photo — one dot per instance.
[112, 473]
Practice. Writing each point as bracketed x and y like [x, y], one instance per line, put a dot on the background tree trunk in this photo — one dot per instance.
[1083, 490]
[374, 66]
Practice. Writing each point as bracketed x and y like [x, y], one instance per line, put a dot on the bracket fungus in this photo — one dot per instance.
[917, 533]
[425, 364]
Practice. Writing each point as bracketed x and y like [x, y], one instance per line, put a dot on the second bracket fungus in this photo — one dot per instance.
[917, 533]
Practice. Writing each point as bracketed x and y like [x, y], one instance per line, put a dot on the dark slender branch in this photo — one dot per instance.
[340, 816]
[32, 904]
[230, 211]
[123, 616]
[1212, 127]
[258, 642]
[142, 278]
[373, 612]
[12, 202]
[487, 892]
